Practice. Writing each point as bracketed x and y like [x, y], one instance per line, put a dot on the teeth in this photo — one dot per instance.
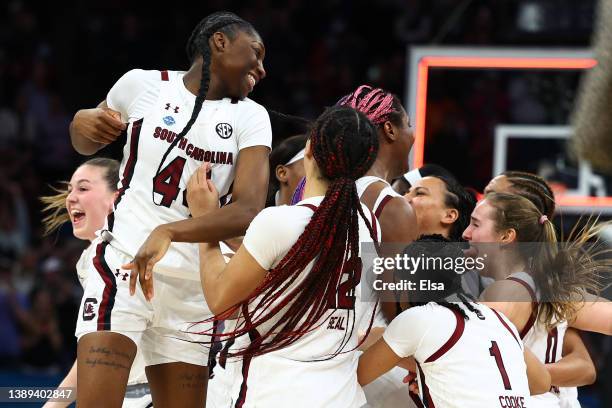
[76, 212]
[252, 80]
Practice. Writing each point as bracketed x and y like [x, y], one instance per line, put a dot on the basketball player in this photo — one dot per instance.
[466, 353]
[219, 125]
[575, 368]
[552, 278]
[395, 138]
[86, 202]
[396, 217]
[293, 280]
[442, 206]
[286, 168]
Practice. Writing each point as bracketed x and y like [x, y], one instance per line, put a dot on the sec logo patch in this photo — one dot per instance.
[224, 130]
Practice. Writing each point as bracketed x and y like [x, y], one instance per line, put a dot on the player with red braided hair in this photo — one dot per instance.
[292, 282]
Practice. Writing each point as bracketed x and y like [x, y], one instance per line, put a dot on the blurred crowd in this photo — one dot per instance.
[56, 58]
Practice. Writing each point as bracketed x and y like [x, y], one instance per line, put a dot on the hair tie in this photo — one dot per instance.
[543, 219]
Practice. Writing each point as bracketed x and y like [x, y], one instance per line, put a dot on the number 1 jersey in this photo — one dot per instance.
[157, 106]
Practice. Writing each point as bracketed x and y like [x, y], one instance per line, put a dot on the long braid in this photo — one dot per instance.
[330, 242]
[198, 44]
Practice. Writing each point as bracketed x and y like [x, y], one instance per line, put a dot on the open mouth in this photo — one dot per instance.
[77, 216]
[471, 252]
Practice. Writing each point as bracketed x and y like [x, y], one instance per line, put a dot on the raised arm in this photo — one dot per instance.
[248, 198]
[92, 129]
[225, 285]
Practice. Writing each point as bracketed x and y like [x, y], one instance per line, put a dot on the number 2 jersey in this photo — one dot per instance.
[157, 106]
[303, 374]
[477, 362]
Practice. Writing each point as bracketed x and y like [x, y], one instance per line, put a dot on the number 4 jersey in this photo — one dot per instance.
[157, 106]
[476, 362]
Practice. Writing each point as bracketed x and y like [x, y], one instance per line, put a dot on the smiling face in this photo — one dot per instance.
[428, 198]
[482, 227]
[238, 63]
[89, 201]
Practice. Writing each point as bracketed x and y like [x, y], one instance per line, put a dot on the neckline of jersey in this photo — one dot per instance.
[189, 97]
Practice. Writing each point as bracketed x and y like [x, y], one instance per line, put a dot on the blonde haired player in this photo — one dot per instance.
[86, 202]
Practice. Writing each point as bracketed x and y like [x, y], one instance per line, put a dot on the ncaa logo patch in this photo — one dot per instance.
[224, 130]
[88, 309]
[169, 120]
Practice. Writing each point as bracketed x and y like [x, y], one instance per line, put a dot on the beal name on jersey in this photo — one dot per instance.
[193, 151]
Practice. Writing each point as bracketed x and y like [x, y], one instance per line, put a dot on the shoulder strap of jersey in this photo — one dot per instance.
[454, 338]
[534, 305]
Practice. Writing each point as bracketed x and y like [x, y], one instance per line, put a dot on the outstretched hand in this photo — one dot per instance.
[151, 251]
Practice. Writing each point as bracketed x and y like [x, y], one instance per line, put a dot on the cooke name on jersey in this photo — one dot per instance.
[193, 151]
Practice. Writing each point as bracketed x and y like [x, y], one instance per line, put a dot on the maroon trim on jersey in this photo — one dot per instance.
[224, 352]
[110, 288]
[454, 338]
[128, 170]
[246, 363]
[382, 205]
[110, 221]
[550, 339]
[534, 310]
[526, 286]
[311, 206]
[225, 200]
[530, 322]
[215, 348]
[427, 400]
[374, 225]
[164, 76]
[417, 401]
[503, 322]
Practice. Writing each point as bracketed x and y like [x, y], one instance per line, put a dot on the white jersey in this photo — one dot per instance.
[137, 372]
[389, 388]
[568, 397]
[386, 194]
[157, 106]
[220, 381]
[270, 380]
[476, 362]
[547, 345]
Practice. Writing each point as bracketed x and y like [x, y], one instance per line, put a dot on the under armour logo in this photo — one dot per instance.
[123, 275]
[176, 108]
